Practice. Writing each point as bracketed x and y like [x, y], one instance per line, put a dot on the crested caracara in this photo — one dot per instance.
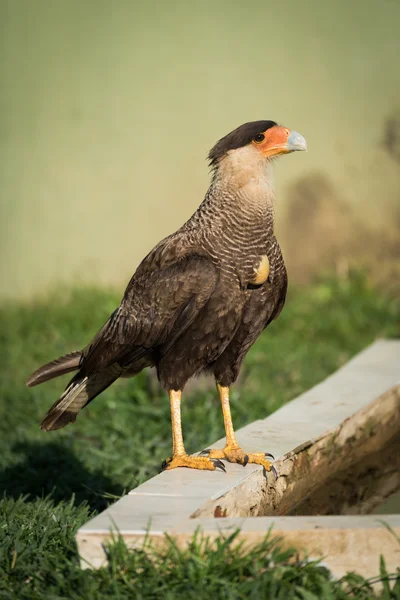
[199, 299]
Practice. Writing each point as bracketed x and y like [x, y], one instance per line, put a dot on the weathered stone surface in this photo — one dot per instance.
[338, 449]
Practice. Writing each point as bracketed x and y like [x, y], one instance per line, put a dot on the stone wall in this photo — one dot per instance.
[108, 109]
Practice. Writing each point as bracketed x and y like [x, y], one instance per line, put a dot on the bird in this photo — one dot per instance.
[199, 300]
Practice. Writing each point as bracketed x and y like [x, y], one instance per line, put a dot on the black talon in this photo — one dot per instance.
[269, 455]
[245, 460]
[164, 465]
[219, 464]
[274, 472]
[205, 452]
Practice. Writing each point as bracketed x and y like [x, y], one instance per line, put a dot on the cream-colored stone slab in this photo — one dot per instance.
[263, 524]
[344, 543]
[134, 514]
[166, 502]
[325, 406]
[194, 484]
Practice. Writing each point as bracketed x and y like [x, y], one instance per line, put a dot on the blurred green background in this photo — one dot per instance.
[108, 109]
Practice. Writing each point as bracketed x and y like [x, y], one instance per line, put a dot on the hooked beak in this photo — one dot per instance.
[296, 142]
[281, 140]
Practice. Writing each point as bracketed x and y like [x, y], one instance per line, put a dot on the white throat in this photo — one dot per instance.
[248, 174]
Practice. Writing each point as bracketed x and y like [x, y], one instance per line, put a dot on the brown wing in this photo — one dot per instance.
[277, 298]
[263, 306]
[158, 305]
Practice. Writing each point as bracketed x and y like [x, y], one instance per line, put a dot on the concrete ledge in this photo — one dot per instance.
[180, 501]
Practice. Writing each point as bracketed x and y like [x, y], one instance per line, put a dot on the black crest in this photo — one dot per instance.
[237, 138]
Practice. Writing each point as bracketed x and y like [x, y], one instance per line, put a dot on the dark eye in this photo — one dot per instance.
[260, 137]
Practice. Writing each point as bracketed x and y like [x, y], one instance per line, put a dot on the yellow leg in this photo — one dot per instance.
[179, 457]
[226, 411]
[232, 451]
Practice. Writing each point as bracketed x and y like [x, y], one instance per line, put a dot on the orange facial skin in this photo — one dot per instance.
[275, 141]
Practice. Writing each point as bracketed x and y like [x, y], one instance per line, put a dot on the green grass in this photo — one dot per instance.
[122, 437]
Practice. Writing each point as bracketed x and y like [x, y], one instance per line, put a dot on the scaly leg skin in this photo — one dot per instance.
[179, 457]
[232, 451]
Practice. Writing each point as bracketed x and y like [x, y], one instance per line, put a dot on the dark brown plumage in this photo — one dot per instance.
[202, 296]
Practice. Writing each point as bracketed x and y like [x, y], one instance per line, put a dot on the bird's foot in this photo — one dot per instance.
[236, 454]
[192, 462]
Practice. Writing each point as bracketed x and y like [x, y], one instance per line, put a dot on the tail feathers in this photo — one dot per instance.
[59, 366]
[66, 408]
[78, 394]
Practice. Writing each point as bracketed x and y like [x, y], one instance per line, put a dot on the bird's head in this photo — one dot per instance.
[254, 143]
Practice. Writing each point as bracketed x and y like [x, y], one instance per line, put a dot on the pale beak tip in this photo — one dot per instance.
[296, 142]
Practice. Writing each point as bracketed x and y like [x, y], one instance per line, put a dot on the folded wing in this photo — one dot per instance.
[158, 306]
